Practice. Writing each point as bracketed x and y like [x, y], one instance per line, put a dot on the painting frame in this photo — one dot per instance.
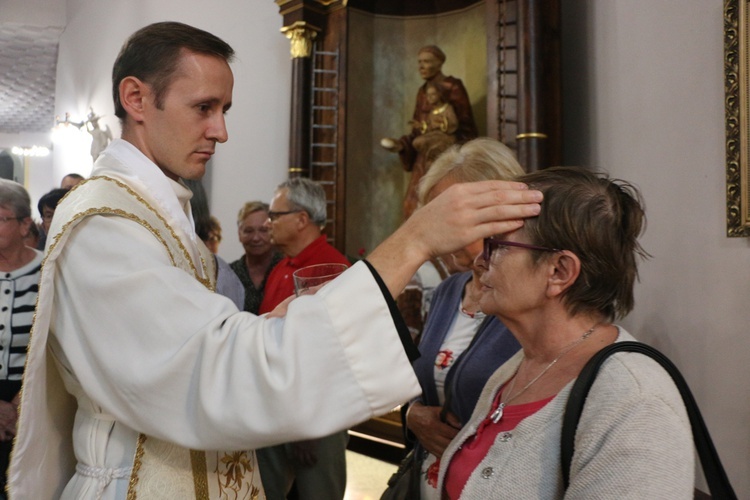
[737, 110]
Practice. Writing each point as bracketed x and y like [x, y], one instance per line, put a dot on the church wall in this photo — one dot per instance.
[644, 100]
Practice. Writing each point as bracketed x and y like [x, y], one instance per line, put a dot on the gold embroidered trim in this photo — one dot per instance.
[137, 462]
[126, 215]
[200, 474]
[205, 281]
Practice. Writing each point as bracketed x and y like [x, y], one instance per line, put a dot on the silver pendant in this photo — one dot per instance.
[497, 414]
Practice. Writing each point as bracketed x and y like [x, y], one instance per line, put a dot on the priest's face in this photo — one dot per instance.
[180, 133]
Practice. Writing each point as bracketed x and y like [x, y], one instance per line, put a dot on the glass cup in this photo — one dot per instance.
[306, 279]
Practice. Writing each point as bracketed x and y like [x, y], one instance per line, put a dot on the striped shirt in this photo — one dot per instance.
[18, 292]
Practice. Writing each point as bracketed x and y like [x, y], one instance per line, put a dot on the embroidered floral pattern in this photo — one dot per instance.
[235, 466]
[444, 359]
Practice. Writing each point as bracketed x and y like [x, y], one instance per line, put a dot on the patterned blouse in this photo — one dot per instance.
[253, 296]
[18, 291]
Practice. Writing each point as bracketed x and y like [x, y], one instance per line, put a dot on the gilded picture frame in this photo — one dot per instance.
[737, 108]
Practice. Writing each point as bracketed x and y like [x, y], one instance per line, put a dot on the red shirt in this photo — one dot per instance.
[475, 448]
[280, 284]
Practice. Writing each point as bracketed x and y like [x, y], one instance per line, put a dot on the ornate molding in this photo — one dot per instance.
[736, 110]
[301, 35]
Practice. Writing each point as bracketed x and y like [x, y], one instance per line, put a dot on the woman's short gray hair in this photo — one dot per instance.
[306, 194]
[14, 197]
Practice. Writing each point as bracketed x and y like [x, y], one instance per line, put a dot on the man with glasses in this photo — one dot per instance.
[296, 220]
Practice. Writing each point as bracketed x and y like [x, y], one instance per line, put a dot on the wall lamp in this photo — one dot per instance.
[35, 151]
[66, 123]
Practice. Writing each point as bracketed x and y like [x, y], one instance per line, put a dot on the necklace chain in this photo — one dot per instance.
[498, 413]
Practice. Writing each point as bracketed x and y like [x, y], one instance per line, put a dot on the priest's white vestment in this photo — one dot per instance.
[160, 366]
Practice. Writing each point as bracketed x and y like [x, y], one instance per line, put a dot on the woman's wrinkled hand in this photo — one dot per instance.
[8, 420]
[434, 435]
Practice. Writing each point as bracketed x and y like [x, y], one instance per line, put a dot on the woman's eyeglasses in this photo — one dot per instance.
[492, 243]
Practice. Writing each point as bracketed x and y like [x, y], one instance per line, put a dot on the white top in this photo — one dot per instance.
[457, 340]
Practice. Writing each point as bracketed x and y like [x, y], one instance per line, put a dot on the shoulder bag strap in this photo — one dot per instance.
[716, 477]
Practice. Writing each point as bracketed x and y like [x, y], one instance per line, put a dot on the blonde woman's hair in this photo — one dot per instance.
[481, 159]
[250, 208]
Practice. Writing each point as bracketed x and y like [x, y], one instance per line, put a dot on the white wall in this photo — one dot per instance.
[644, 100]
[255, 158]
[33, 12]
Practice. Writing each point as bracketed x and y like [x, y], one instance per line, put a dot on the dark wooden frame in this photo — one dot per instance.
[737, 109]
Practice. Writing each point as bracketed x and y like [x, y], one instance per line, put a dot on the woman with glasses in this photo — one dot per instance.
[558, 283]
[20, 266]
[460, 346]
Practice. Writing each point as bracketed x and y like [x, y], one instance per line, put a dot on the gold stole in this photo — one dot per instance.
[160, 469]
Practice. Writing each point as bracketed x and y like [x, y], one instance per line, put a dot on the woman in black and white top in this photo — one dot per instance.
[20, 267]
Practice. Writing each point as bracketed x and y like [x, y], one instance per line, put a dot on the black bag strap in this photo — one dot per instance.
[716, 477]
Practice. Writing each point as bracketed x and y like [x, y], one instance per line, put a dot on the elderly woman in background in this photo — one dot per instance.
[260, 256]
[20, 266]
[460, 346]
[558, 282]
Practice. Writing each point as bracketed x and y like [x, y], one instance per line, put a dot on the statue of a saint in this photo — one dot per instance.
[417, 152]
[99, 138]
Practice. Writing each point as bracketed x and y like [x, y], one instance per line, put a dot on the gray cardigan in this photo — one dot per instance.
[633, 440]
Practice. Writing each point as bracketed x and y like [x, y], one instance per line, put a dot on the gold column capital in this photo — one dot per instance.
[301, 35]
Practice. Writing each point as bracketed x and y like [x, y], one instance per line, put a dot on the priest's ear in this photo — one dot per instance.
[564, 269]
[135, 96]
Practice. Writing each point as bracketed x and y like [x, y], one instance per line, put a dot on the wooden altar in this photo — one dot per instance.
[354, 80]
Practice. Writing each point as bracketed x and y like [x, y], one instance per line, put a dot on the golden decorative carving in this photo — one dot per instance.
[737, 108]
[531, 135]
[302, 35]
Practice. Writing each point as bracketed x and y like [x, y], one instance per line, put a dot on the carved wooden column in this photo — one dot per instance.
[538, 140]
[302, 22]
